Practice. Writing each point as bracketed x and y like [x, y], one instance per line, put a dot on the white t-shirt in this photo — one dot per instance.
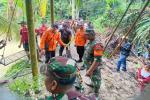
[144, 73]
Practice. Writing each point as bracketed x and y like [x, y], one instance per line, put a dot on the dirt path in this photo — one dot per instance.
[115, 86]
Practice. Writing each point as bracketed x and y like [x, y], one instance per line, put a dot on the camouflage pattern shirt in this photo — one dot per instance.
[93, 51]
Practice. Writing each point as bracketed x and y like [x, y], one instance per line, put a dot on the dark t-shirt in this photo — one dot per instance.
[65, 35]
[126, 48]
[24, 34]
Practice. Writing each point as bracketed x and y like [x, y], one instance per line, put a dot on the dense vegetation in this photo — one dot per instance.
[103, 13]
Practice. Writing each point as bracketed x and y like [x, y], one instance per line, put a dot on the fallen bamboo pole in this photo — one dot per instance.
[116, 49]
[118, 25]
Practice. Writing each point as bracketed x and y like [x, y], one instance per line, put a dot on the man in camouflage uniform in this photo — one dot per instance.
[60, 77]
[92, 60]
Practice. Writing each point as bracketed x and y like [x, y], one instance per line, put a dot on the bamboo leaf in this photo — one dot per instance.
[43, 7]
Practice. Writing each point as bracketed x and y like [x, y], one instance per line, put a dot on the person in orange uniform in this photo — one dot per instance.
[48, 42]
[39, 32]
[80, 41]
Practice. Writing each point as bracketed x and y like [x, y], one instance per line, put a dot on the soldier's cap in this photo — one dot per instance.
[62, 69]
[54, 26]
[90, 32]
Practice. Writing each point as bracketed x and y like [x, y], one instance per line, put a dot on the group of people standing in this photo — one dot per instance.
[60, 70]
[62, 33]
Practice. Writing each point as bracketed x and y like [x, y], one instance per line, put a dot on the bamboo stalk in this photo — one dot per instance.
[52, 12]
[32, 41]
[130, 30]
[118, 25]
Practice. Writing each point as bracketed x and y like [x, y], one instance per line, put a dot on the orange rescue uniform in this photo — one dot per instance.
[80, 39]
[50, 38]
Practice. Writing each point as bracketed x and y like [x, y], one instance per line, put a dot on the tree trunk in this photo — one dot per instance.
[52, 12]
[73, 10]
[10, 16]
[32, 43]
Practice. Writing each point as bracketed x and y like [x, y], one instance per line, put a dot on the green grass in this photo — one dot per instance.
[17, 68]
[23, 84]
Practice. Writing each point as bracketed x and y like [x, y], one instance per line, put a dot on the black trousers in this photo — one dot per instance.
[61, 50]
[80, 51]
[49, 55]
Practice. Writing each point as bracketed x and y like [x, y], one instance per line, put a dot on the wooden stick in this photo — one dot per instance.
[137, 57]
[118, 25]
[130, 28]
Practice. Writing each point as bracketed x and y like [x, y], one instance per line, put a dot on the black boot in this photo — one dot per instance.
[80, 60]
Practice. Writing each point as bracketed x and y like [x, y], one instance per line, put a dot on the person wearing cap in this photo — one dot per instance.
[60, 77]
[39, 32]
[125, 50]
[143, 75]
[24, 37]
[48, 42]
[65, 37]
[90, 26]
[80, 41]
[41, 29]
[92, 61]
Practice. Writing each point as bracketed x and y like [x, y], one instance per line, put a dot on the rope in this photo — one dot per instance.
[137, 57]
[70, 41]
[9, 27]
[130, 28]
[118, 25]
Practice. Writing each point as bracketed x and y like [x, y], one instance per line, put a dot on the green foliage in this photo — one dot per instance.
[98, 24]
[4, 24]
[20, 86]
[25, 86]
[4, 21]
[143, 30]
[23, 83]
[79, 3]
[102, 13]
[17, 68]
[3, 5]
